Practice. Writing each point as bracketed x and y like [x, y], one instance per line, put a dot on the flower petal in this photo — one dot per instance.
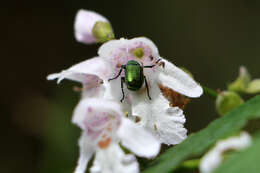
[165, 122]
[108, 48]
[86, 72]
[138, 140]
[170, 129]
[84, 23]
[176, 79]
[87, 149]
[119, 52]
[89, 108]
[113, 160]
[214, 157]
[147, 42]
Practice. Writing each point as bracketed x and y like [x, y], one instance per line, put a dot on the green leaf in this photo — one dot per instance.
[196, 144]
[249, 163]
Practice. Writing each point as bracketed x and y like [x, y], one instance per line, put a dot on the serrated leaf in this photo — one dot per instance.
[249, 163]
[196, 144]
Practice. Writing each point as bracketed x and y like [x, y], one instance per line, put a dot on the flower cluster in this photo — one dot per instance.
[244, 83]
[133, 105]
[231, 98]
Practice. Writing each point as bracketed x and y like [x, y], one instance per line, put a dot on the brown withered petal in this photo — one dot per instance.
[174, 98]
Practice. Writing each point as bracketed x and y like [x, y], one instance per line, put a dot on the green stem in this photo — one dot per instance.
[210, 92]
[190, 164]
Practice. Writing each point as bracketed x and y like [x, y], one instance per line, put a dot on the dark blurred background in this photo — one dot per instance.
[210, 38]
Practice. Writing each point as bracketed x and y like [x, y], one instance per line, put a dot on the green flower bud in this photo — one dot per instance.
[253, 86]
[241, 83]
[103, 31]
[227, 101]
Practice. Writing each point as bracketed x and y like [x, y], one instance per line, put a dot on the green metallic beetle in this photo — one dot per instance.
[134, 77]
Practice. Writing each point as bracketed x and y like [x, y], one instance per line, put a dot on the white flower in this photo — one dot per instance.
[156, 115]
[91, 73]
[91, 27]
[104, 126]
[214, 157]
[119, 52]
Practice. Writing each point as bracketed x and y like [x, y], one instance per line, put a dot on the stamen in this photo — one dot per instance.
[155, 127]
[118, 65]
[137, 119]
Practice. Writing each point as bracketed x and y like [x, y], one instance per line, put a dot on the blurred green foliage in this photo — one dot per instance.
[196, 144]
[60, 150]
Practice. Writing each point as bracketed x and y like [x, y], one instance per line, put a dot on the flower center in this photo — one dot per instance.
[138, 52]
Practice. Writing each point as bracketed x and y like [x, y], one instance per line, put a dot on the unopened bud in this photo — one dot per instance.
[241, 83]
[227, 101]
[253, 86]
[91, 27]
[103, 32]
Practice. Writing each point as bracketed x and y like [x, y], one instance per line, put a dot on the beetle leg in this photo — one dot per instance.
[116, 75]
[147, 88]
[161, 64]
[148, 66]
[157, 62]
[122, 88]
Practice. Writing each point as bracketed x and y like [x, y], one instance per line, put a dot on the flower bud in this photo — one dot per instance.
[103, 32]
[227, 101]
[253, 86]
[91, 27]
[241, 83]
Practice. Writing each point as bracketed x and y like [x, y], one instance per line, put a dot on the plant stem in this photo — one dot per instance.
[210, 92]
[190, 164]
